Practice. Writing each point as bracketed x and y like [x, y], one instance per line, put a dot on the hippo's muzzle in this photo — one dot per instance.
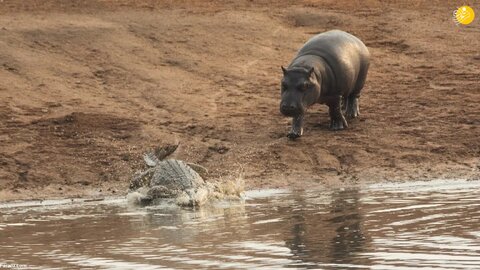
[291, 109]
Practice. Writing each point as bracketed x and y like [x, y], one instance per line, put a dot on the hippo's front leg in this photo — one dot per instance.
[337, 120]
[297, 128]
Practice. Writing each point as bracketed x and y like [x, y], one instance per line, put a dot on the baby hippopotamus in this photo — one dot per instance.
[330, 69]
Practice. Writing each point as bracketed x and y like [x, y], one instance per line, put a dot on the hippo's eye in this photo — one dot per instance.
[305, 86]
[284, 86]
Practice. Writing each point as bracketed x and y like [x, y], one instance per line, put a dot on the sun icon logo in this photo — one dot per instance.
[464, 15]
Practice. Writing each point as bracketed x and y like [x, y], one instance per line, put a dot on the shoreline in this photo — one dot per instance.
[120, 191]
[90, 196]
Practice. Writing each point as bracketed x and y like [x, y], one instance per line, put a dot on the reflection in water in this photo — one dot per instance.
[347, 218]
[394, 226]
[333, 233]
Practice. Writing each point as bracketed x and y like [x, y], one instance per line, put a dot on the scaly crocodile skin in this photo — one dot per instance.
[176, 175]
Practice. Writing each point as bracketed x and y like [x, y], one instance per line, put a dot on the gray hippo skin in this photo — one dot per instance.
[330, 69]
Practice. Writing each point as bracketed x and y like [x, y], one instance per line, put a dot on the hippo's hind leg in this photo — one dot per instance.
[344, 104]
[337, 121]
[352, 109]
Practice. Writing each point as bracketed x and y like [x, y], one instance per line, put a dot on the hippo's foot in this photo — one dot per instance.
[352, 110]
[292, 135]
[337, 120]
[338, 123]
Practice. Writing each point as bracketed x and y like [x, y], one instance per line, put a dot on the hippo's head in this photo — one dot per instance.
[300, 89]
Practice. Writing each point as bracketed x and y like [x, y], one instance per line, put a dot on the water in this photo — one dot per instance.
[420, 225]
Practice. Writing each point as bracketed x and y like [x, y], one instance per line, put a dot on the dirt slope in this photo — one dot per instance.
[87, 86]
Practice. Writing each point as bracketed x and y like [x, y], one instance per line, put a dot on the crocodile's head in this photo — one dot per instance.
[189, 197]
[184, 197]
[193, 197]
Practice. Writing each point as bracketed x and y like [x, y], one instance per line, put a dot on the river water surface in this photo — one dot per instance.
[415, 225]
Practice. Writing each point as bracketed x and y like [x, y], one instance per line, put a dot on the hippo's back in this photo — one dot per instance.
[175, 174]
[346, 55]
[334, 44]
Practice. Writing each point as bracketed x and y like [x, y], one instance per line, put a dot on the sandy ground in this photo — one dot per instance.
[87, 86]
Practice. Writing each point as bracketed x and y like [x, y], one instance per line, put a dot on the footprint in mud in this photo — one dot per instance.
[327, 20]
[221, 149]
[10, 68]
[394, 45]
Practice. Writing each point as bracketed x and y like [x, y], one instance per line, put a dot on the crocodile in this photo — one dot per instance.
[176, 180]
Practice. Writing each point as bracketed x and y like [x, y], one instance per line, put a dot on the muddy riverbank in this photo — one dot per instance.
[85, 89]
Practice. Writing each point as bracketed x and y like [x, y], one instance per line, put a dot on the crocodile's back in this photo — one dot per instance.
[175, 174]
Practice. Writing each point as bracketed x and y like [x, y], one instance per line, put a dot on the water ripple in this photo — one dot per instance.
[416, 225]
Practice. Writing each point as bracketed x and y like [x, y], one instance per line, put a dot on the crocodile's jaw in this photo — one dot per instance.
[139, 197]
[193, 197]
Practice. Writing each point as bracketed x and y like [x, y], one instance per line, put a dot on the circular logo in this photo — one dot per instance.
[464, 15]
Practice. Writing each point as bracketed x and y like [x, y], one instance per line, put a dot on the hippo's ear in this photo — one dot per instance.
[310, 71]
[284, 70]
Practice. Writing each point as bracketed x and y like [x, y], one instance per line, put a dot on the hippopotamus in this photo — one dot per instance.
[331, 68]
